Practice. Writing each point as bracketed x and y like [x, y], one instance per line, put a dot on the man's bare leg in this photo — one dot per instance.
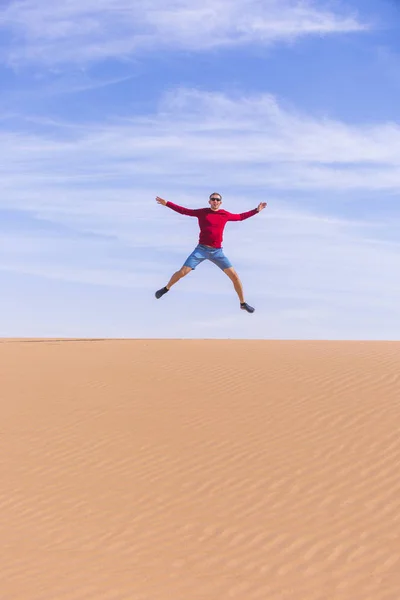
[174, 279]
[177, 276]
[237, 284]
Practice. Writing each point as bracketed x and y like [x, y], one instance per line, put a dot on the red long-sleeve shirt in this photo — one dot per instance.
[211, 222]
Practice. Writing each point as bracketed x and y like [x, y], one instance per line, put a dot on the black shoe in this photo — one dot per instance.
[245, 306]
[161, 292]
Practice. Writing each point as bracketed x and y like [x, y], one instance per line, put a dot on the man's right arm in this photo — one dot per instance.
[191, 212]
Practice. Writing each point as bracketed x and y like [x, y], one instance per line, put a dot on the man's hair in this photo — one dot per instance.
[214, 193]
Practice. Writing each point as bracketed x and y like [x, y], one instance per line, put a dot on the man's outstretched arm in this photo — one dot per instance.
[248, 214]
[191, 212]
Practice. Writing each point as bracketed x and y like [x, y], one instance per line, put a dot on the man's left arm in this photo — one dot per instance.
[248, 214]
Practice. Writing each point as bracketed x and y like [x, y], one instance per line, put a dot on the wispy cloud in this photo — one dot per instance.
[75, 31]
[98, 170]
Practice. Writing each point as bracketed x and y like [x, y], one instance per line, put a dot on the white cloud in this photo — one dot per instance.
[96, 172]
[76, 31]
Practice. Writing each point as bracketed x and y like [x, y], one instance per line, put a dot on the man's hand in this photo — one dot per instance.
[261, 206]
[161, 201]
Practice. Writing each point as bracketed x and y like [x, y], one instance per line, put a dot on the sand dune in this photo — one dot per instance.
[199, 470]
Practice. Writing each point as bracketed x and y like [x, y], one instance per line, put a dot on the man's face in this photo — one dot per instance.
[215, 201]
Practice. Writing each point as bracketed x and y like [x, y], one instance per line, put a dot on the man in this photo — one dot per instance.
[212, 222]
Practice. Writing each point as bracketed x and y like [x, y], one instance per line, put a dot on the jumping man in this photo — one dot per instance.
[211, 222]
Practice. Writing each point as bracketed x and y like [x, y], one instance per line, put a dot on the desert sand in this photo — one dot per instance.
[199, 469]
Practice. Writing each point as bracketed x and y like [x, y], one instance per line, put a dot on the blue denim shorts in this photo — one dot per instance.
[201, 253]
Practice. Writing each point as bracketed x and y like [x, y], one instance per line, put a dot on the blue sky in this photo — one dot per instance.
[106, 104]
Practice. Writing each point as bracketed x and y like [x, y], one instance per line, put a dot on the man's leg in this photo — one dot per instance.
[237, 284]
[190, 264]
[218, 258]
[174, 279]
[177, 276]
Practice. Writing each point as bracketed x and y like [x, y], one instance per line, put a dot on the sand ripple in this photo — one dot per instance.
[199, 470]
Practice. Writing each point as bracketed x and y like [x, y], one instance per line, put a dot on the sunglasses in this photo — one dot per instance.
[216, 199]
